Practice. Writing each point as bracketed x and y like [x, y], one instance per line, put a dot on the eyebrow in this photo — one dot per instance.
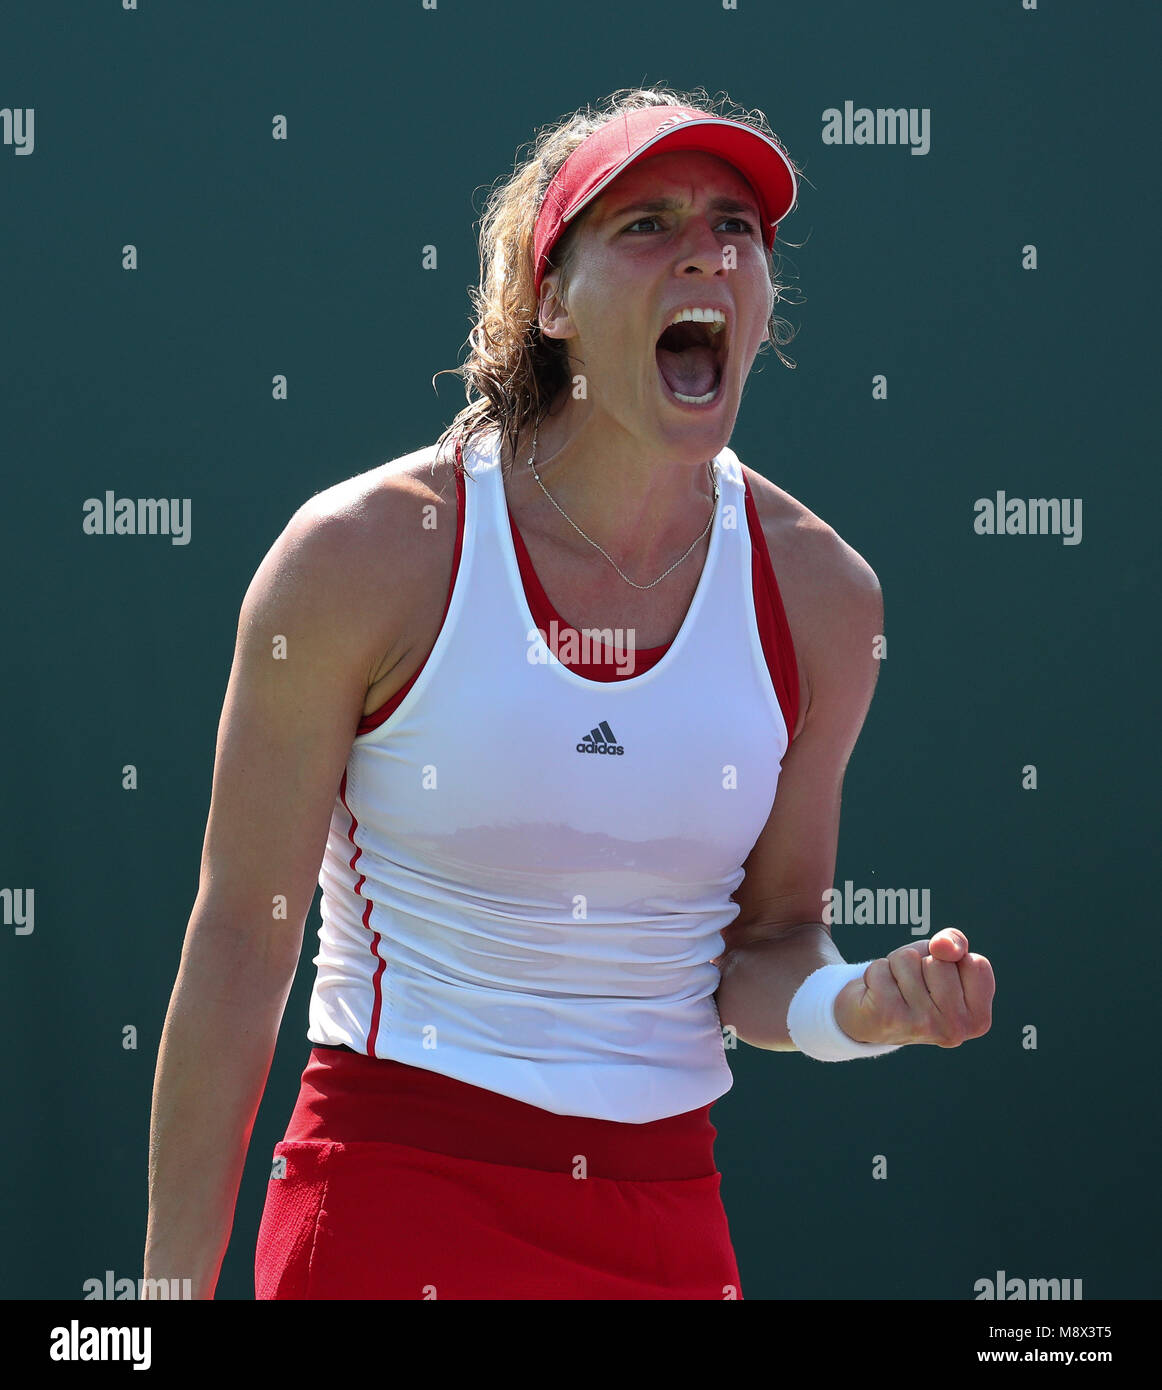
[669, 204]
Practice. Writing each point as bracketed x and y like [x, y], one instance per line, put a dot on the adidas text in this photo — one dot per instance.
[600, 739]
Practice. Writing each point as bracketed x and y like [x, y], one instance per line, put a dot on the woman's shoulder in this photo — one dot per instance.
[384, 538]
[805, 546]
[391, 517]
[828, 590]
[387, 493]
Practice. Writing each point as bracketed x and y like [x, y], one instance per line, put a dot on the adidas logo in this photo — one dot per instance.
[600, 740]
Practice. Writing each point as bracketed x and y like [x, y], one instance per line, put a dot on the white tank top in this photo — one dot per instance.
[508, 907]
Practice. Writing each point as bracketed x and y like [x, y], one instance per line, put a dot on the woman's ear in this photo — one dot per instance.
[552, 314]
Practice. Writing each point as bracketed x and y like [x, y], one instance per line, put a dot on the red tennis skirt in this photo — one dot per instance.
[401, 1183]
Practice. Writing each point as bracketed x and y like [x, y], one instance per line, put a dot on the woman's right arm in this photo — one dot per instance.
[310, 634]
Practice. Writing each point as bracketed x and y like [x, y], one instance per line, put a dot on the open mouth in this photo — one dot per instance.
[691, 357]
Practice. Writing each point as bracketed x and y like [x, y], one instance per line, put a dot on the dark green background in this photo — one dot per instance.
[260, 257]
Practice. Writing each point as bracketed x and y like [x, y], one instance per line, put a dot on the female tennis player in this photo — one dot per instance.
[557, 712]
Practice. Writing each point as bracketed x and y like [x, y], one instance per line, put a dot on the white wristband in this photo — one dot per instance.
[811, 1016]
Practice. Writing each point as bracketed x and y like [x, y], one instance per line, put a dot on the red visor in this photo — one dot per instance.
[609, 151]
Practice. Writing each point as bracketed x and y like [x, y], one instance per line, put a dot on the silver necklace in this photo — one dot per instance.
[713, 512]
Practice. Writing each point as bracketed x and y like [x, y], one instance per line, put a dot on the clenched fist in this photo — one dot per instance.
[933, 991]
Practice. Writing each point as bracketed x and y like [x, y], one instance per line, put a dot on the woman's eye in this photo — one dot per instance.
[746, 226]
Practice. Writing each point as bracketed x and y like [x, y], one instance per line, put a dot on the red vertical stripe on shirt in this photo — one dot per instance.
[377, 1004]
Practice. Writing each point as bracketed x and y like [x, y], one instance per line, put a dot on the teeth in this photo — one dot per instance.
[714, 317]
[716, 320]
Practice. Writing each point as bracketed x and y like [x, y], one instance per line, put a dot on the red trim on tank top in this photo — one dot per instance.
[377, 1005]
[774, 630]
[385, 711]
[545, 615]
